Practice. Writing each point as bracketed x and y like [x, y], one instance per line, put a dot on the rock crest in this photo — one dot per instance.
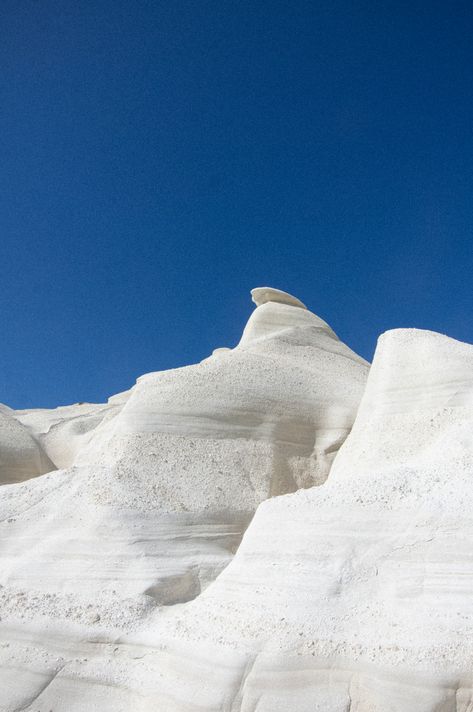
[263, 295]
[270, 529]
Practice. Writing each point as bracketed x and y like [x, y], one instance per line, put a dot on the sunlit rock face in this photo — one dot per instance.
[64, 431]
[356, 595]
[352, 587]
[156, 488]
[21, 455]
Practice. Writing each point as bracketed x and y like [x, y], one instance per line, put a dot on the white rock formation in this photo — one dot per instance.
[351, 596]
[161, 483]
[262, 295]
[356, 595]
[21, 455]
[62, 432]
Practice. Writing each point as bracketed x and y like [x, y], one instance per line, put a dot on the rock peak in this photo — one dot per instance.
[261, 295]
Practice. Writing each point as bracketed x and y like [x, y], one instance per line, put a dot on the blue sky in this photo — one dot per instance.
[160, 159]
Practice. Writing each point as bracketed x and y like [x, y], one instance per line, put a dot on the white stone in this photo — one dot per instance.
[355, 595]
[21, 455]
[160, 490]
[62, 432]
[120, 593]
[262, 295]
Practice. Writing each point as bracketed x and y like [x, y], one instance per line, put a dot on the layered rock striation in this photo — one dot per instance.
[126, 587]
[355, 595]
[158, 486]
[21, 454]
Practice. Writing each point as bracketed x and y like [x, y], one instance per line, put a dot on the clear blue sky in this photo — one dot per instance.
[159, 159]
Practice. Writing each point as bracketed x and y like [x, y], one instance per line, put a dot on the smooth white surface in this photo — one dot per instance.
[351, 596]
[21, 455]
[356, 595]
[64, 431]
[261, 295]
[164, 482]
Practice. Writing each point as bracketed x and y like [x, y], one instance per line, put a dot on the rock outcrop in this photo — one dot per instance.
[351, 593]
[262, 295]
[63, 432]
[159, 486]
[21, 455]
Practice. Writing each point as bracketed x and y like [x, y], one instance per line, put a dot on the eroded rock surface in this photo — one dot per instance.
[21, 455]
[355, 595]
[156, 491]
[349, 592]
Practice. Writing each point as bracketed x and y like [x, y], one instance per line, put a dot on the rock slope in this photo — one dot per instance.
[63, 432]
[159, 486]
[355, 595]
[348, 593]
[21, 455]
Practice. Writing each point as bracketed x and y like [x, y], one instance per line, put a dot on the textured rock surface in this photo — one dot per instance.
[351, 596]
[355, 595]
[21, 455]
[161, 483]
[62, 432]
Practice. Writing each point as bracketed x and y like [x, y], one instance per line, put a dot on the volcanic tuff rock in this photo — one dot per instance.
[355, 595]
[351, 592]
[261, 295]
[21, 455]
[158, 486]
